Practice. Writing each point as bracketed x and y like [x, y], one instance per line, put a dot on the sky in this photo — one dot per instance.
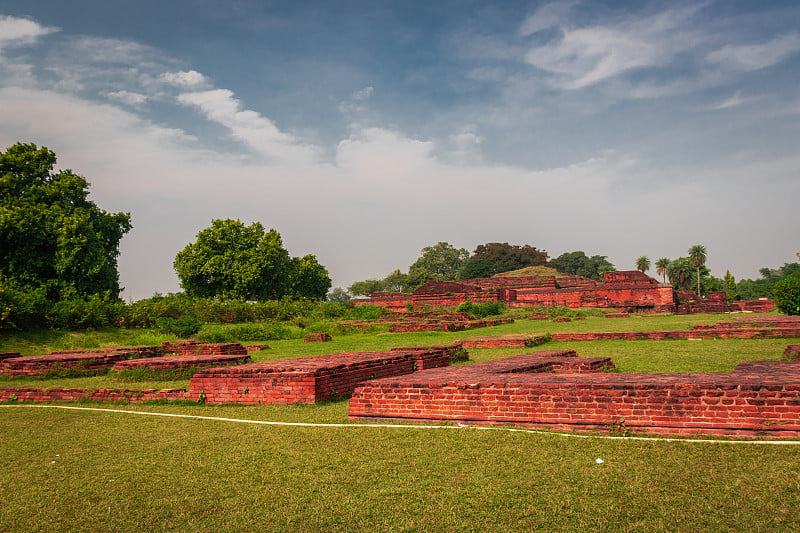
[364, 131]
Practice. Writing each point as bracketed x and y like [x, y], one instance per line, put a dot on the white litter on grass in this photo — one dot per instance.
[599, 461]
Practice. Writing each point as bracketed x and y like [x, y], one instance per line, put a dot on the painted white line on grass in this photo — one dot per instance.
[412, 426]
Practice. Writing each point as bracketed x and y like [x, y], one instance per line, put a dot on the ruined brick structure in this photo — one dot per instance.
[628, 291]
[557, 390]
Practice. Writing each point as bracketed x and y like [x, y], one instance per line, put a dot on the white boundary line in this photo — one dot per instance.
[413, 426]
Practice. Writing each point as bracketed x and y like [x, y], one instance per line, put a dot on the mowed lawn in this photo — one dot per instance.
[81, 470]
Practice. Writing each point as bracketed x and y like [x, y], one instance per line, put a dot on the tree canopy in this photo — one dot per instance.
[643, 263]
[579, 264]
[232, 261]
[697, 256]
[494, 258]
[52, 237]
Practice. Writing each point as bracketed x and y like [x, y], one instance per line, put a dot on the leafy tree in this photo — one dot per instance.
[51, 235]
[730, 286]
[366, 287]
[749, 289]
[786, 294]
[338, 295]
[309, 279]
[441, 260]
[661, 268]
[395, 282]
[579, 264]
[697, 256]
[643, 264]
[681, 274]
[494, 258]
[232, 261]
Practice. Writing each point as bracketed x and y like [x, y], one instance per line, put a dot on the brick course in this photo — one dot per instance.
[757, 398]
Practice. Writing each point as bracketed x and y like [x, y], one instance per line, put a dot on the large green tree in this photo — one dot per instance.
[681, 274]
[697, 256]
[442, 261]
[52, 237]
[579, 264]
[643, 263]
[233, 261]
[494, 258]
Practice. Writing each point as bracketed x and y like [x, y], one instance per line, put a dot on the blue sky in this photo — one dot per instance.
[365, 131]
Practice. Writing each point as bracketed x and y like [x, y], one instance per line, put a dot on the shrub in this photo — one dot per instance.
[481, 309]
[786, 294]
[182, 327]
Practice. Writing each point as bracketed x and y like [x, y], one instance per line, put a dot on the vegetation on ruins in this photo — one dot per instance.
[579, 264]
[494, 258]
[697, 256]
[786, 294]
[661, 268]
[232, 261]
[643, 264]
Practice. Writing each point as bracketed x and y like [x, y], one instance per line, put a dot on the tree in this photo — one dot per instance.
[338, 295]
[438, 262]
[578, 264]
[494, 258]
[697, 256]
[786, 294]
[661, 268]
[643, 264]
[51, 235]
[309, 279]
[730, 286]
[233, 261]
[366, 287]
[681, 274]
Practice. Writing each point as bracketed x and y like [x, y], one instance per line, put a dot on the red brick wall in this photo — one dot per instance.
[759, 398]
[179, 362]
[309, 379]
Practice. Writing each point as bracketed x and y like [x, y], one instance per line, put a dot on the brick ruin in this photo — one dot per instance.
[557, 390]
[629, 291]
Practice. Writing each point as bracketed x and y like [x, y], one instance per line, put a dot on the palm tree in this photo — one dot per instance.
[661, 268]
[680, 273]
[697, 256]
[643, 264]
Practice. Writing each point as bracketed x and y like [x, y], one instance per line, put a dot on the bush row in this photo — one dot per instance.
[32, 309]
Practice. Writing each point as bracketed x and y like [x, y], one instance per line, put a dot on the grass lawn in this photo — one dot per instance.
[67, 470]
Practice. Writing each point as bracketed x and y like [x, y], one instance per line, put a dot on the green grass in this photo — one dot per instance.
[98, 471]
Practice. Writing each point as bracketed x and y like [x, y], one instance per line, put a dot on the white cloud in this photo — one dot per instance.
[20, 31]
[756, 56]
[127, 97]
[547, 16]
[589, 55]
[250, 127]
[190, 79]
[736, 100]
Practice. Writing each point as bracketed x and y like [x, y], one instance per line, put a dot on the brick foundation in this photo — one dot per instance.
[757, 398]
[101, 395]
[311, 379]
[181, 362]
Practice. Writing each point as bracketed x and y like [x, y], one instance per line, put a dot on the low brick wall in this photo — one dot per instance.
[757, 398]
[317, 337]
[91, 361]
[101, 395]
[713, 333]
[309, 379]
[504, 341]
[180, 362]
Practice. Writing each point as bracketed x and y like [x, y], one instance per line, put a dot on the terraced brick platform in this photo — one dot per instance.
[312, 379]
[59, 394]
[757, 398]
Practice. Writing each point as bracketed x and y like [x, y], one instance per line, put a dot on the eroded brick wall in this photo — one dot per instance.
[758, 398]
